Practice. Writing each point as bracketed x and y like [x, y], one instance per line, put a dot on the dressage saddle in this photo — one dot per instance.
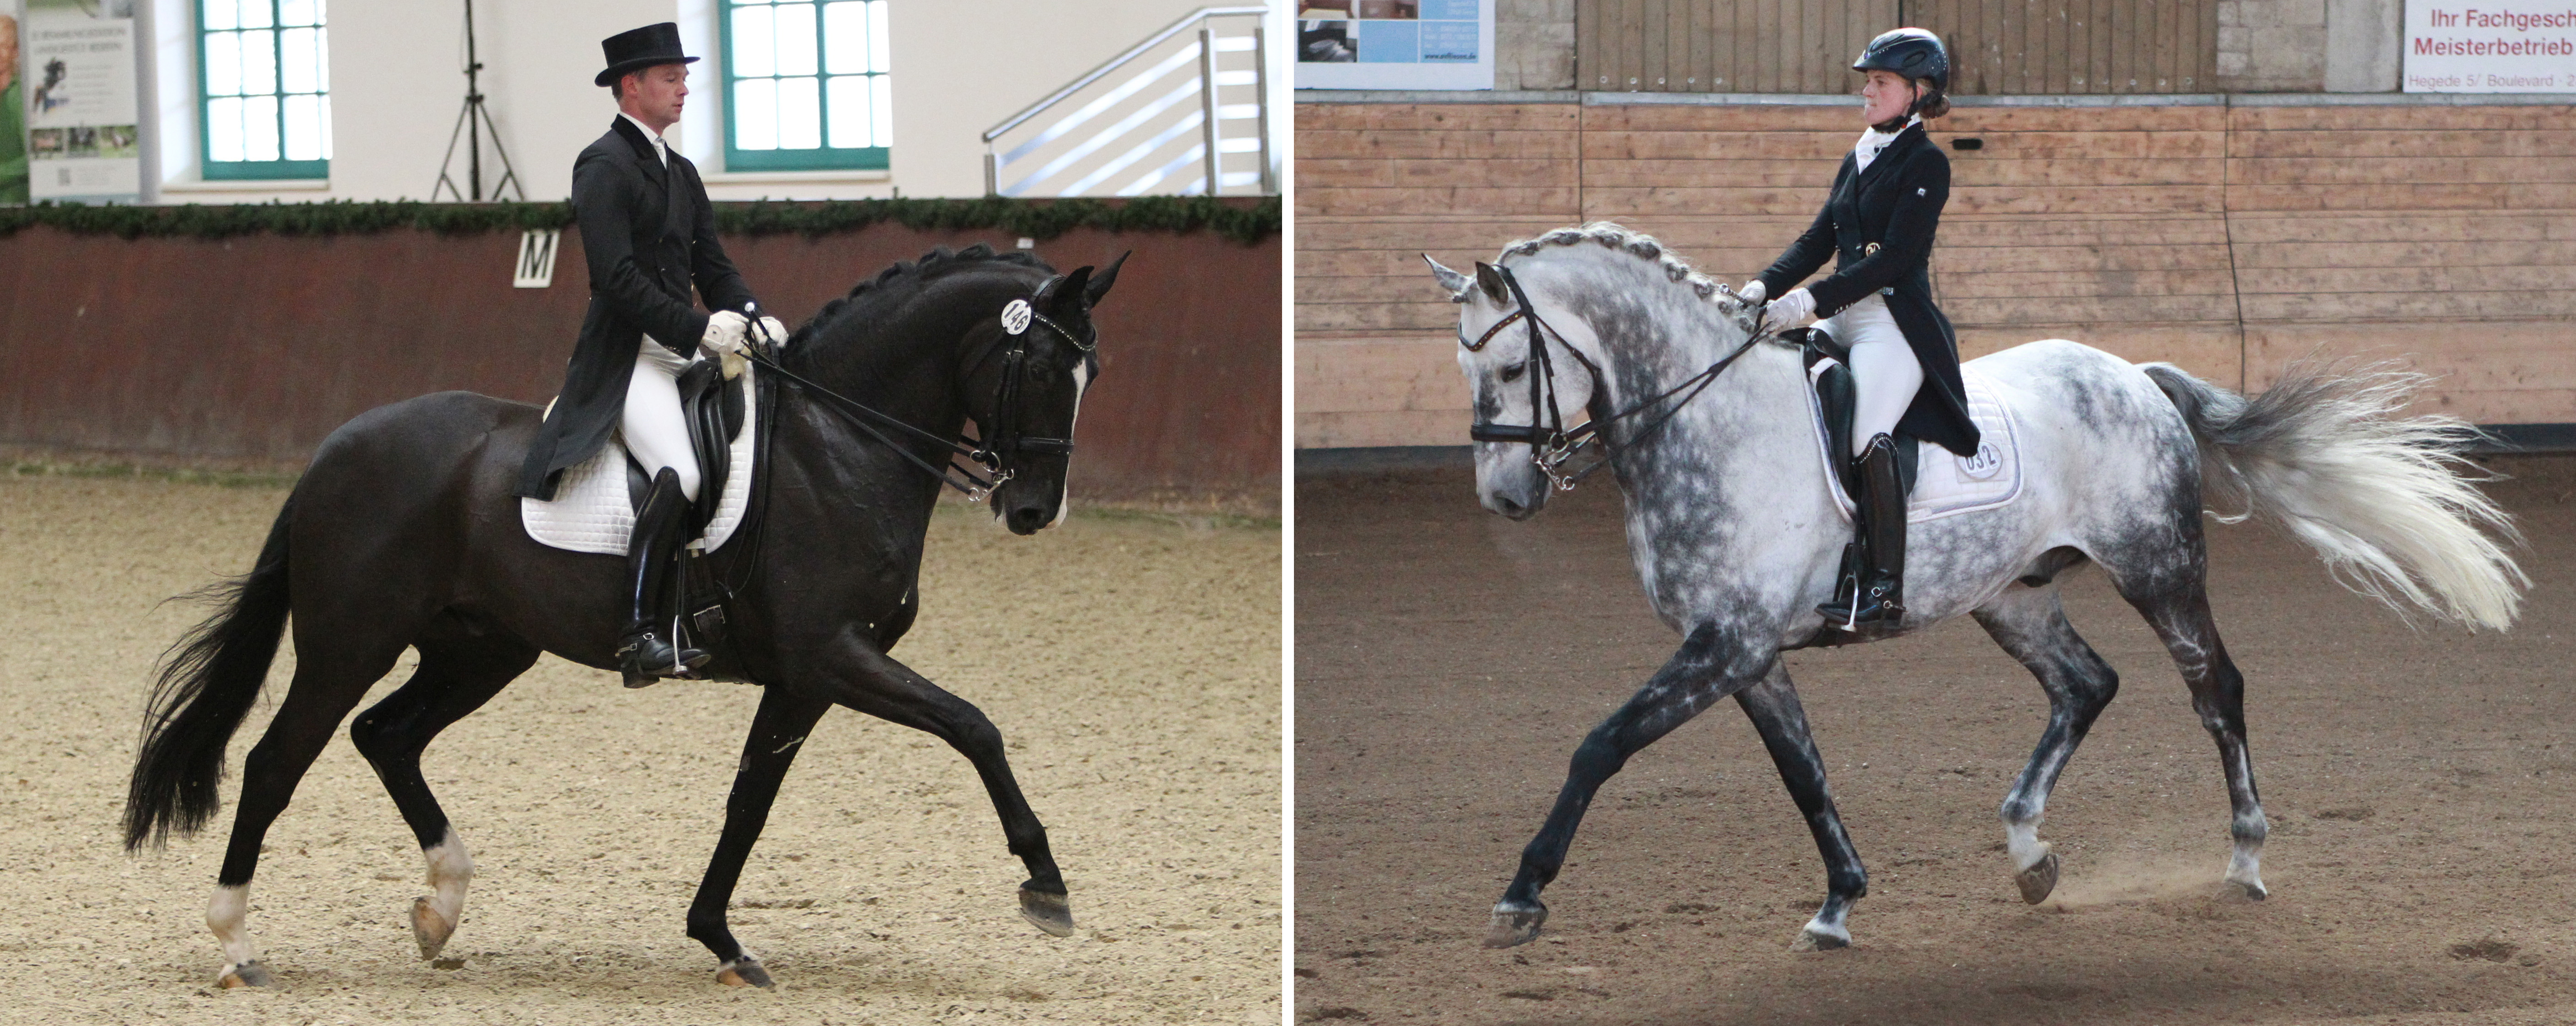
[1838, 397]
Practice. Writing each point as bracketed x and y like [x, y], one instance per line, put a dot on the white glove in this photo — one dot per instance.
[1753, 291]
[775, 330]
[724, 332]
[1789, 311]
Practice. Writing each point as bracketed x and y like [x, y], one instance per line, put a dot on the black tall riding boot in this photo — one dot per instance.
[1871, 594]
[646, 653]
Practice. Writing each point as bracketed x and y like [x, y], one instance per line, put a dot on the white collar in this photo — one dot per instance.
[1873, 141]
[660, 149]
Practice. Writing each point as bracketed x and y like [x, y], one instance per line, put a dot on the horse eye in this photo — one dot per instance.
[1513, 371]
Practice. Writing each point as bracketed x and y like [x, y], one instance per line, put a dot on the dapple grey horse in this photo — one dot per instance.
[1737, 534]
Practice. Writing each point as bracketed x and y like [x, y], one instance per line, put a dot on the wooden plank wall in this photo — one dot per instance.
[1806, 46]
[2230, 240]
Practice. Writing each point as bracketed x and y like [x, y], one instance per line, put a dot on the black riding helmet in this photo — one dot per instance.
[1911, 52]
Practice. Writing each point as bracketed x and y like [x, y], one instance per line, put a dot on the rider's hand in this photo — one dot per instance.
[1753, 291]
[724, 332]
[1789, 311]
[774, 330]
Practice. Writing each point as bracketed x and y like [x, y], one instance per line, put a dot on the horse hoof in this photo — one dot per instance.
[1049, 912]
[244, 974]
[1515, 924]
[2040, 879]
[745, 972]
[1815, 940]
[2253, 889]
[429, 928]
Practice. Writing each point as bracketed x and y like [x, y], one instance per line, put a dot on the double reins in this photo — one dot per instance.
[1551, 446]
[994, 448]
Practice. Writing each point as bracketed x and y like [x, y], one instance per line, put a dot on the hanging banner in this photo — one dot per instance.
[2497, 46]
[13, 110]
[81, 138]
[1395, 44]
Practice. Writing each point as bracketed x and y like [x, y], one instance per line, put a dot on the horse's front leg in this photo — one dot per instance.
[1773, 707]
[1711, 665]
[861, 677]
[778, 731]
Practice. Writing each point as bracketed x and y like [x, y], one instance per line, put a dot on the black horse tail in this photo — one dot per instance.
[209, 678]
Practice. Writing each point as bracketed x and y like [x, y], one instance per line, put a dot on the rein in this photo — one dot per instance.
[994, 453]
[1553, 445]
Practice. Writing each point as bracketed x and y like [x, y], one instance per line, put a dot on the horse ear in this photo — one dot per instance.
[1491, 280]
[1100, 286]
[1451, 281]
[1056, 294]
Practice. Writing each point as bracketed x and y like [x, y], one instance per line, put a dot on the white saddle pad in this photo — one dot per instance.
[592, 513]
[1946, 483]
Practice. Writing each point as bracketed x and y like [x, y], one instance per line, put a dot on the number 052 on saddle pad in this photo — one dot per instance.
[1945, 483]
[593, 511]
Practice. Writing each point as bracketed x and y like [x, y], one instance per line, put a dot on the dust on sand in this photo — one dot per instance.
[1131, 663]
[2421, 784]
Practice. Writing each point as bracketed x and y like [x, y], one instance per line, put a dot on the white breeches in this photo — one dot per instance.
[654, 431]
[1885, 372]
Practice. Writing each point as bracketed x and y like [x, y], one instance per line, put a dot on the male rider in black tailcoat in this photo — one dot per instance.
[648, 234]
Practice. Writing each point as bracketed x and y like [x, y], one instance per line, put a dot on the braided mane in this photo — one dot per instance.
[1611, 235]
[869, 292]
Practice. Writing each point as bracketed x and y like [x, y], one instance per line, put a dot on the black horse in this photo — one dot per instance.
[403, 534]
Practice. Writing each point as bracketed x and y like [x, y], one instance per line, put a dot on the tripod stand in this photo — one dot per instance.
[472, 123]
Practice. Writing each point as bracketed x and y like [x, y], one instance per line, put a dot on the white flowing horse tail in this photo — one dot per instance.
[2325, 455]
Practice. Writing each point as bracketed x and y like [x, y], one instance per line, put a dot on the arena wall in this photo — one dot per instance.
[2230, 235]
[248, 351]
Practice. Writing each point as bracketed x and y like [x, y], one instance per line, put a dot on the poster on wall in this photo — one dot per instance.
[1395, 44]
[2496, 46]
[80, 82]
[13, 111]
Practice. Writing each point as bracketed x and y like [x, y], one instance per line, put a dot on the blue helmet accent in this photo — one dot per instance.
[1911, 52]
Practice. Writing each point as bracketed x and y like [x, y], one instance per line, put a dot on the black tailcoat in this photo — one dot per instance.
[648, 234]
[1877, 225]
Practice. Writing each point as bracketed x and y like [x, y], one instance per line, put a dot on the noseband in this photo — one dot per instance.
[1553, 444]
[997, 446]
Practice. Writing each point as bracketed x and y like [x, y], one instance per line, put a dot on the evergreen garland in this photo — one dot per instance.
[1038, 219]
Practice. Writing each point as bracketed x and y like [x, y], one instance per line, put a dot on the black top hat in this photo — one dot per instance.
[641, 48]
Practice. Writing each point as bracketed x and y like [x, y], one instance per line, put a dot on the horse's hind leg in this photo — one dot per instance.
[454, 679]
[1709, 666]
[2031, 625]
[327, 685]
[1773, 707]
[2180, 615]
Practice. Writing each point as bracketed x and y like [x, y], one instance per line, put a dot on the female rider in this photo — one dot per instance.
[1877, 224]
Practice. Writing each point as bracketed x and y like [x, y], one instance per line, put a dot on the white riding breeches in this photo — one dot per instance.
[655, 432]
[1885, 372]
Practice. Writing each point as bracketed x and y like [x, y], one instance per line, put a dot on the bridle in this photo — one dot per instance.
[998, 443]
[1553, 444]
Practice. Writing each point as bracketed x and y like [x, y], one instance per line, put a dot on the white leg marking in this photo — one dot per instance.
[1063, 496]
[2022, 839]
[435, 918]
[1834, 928]
[225, 915]
[2245, 864]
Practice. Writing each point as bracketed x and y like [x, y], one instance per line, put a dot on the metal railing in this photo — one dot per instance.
[1186, 112]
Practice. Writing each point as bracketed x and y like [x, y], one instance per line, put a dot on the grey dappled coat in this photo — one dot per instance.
[647, 233]
[1896, 204]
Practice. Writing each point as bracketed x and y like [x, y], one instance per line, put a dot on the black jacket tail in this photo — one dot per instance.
[208, 680]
